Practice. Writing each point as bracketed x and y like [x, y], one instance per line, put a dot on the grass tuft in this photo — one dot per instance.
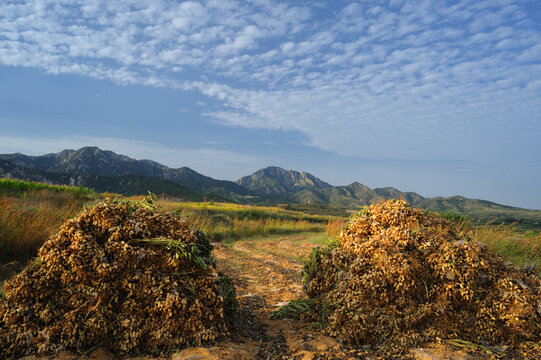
[231, 306]
[294, 309]
[519, 247]
[180, 251]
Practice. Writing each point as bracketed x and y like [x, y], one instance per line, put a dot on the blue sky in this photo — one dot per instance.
[436, 97]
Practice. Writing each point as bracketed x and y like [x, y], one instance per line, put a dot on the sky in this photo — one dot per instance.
[441, 98]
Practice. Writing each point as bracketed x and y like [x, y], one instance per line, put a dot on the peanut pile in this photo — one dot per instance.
[400, 276]
[121, 275]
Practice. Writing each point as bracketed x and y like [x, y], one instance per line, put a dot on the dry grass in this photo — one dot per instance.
[228, 229]
[522, 248]
[224, 222]
[334, 227]
[31, 212]
[29, 217]
[26, 223]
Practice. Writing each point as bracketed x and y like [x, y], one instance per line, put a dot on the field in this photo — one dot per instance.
[263, 249]
[31, 212]
[228, 222]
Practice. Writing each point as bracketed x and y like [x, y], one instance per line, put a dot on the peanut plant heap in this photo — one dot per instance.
[121, 275]
[400, 276]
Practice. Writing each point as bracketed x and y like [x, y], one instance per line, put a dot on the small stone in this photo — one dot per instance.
[423, 354]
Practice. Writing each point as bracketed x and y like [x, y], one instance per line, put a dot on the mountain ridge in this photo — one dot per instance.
[111, 172]
[94, 161]
[126, 184]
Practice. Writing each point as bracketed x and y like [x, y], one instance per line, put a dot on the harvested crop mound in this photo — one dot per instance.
[400, 276]
[121, 275]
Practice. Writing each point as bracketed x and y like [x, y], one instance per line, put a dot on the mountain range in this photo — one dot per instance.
[106, 171]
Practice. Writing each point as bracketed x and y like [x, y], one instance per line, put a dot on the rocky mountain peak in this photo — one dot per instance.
[278, 182]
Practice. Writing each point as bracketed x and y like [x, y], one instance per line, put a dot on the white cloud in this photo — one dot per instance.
[362, 79]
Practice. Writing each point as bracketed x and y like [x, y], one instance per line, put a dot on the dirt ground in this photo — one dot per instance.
[266, 273]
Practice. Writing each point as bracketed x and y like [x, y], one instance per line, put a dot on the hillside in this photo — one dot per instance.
[107, 171]
[94, 161]
[125, 185]
[483, 210]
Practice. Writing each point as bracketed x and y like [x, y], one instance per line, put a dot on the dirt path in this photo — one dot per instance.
[266, 273]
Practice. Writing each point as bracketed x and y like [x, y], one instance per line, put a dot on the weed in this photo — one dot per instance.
[451, 216]
[294, 309]
[334, 227]
[231, 306]
[180, 251]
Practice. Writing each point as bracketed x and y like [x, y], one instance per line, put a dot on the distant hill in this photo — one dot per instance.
[94, 161]
[126, 184]
[290, 186]
[483, 210]
[279, 183]
[354, 195]
[106, 171]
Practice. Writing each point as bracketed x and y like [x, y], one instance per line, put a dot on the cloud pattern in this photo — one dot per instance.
[396, 78]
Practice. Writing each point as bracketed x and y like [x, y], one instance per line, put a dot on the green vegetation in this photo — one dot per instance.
[451, 216]
[313, 265]
[11, 187]
[179, 251]
[319, 209]
[231, 306]
[294, 309]
[225, 221]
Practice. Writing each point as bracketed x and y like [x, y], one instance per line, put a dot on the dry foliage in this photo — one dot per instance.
[25, 223]
[120, 275]
[401, 276]
[334, 227]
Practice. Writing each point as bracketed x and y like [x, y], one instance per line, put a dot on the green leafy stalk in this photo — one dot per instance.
[181, 251]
